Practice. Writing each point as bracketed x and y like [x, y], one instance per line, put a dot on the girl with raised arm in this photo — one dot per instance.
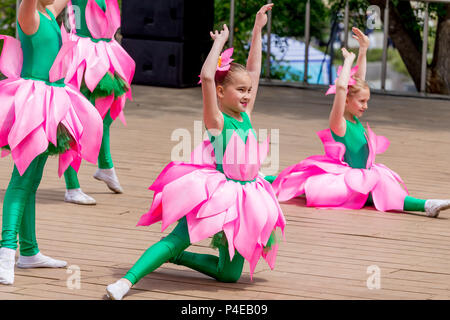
[103, 71]
[347, 175]
[39, 116]
[219, 193]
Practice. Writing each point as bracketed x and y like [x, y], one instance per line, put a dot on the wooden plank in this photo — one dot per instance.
[326, 252]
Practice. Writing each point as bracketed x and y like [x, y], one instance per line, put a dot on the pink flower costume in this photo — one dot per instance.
[346, 176]
[100, 68]
[328, 181]
[210, 196]
[39, 116]
[97, 53]
[33, 110]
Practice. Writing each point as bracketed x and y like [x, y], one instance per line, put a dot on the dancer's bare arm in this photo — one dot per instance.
[212, 116]
[337, 120]
[364, 43]
[28, 16]
[255, 54]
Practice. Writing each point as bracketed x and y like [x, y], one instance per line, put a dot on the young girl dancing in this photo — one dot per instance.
[347, 175]
[226, 198]
[38, 118]
[103, 71]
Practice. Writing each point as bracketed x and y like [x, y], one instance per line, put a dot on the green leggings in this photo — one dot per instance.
[104, 156]
[414, 204]
[171, 249]
[19, 208]
[410, 203]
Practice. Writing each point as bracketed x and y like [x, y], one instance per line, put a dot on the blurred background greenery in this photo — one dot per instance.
[288, 21]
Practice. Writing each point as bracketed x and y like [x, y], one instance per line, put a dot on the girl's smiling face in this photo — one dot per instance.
[236, 94]
[356, 104]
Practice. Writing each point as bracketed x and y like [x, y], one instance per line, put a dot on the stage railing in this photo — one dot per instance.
[346, 31]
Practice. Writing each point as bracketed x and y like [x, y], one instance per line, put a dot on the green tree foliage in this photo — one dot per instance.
[8, 17]
[406, 25]
[288, 20]
[413, 20]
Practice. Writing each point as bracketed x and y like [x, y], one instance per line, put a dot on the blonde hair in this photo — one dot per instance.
[358, 86]
[222, 78]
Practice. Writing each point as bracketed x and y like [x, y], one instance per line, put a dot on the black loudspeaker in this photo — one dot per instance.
[168, 39]
[175, 20]
[167, 63]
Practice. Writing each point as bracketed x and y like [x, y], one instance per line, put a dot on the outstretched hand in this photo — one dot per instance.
[362, 39]
[261, 16]
[222, 35]
[348, 55]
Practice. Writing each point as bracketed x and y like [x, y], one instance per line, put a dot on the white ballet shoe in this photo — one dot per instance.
[39, 261]
[77, 196]
[7, 261]
[118, 289]
[109, 177]
[434, 206]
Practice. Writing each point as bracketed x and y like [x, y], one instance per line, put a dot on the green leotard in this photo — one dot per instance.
[41, 48]
[39, 52]
[356, 147]
[172, 248]
[357, 153]
[230, 125]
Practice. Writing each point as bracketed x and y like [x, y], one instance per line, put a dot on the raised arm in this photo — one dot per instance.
[255, 54]
[364, 42]
[337, 120]
[212, 116]
[28, 16]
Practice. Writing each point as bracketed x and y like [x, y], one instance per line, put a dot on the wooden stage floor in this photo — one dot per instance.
[328, 254]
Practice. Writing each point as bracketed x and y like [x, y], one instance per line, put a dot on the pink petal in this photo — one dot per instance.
[219, 202]
[117, 108]
[97, 63]
[174, 206]
[331, 90]
[58, 106]
[7, 96]
[329, 190]
[92, 125]
[96, 20]
[104, 104]
[226, 55]
[11, 58]
[123, 64]
[361, 180]
[113, 17]
[29, 111]
[233, 156]
[29, 148]
[70, 157]
[154, 214]
[388, 194]
[204, 154]
[200, 229]
[60, 65]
